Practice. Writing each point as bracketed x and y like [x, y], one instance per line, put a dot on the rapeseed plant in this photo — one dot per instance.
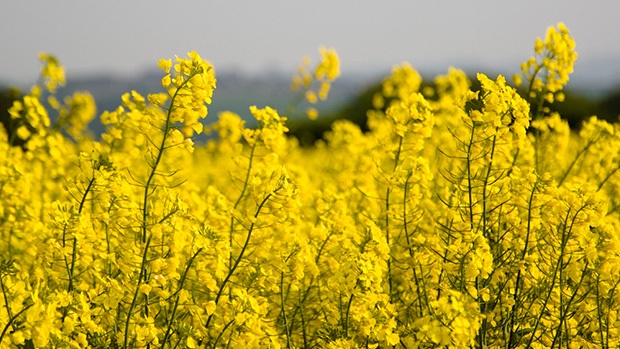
[462, 219]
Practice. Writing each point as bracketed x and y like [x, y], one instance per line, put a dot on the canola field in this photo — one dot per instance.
[462, 219]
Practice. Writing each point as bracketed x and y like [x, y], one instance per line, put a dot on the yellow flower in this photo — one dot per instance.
[312, 113]
[392, 338]
[311, 97]
[145, 289]
[325, 73]
[548, 71]
[517, 80]
[52, 72]
[329, 68]
[191, 342]
[165, 65]
[18, 338]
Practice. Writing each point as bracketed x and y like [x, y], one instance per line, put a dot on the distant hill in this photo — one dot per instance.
[237, 91]
[234, 92]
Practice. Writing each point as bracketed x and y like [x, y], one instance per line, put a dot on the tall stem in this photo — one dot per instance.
[158, 157]
[241, 253]
[387, 218]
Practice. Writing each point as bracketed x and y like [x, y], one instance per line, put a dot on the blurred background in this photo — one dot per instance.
[112, 47]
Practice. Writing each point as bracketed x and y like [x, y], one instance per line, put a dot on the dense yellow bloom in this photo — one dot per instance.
[329, 68]
[272, 131]
[190, 88]
[76, 114]
[500, 108]
[455, 221]
[548, 71]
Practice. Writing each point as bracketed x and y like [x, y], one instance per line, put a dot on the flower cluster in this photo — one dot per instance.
[52, 72]
[191, 88]
[323, 75]
[548, 71]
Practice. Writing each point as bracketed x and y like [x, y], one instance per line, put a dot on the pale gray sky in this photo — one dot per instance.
[130, 36]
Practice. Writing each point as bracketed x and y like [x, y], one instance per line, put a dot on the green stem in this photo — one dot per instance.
[71, 267]
[247, 180]
[160, 152]
[6, 303]
[387, 218]
[346, 319]
[287, 331]
[135, 295]
[410, 249]
[11, 321]
[484, 188]
[607, 177]
[177, 297]
[572, 164]
[303, 322]
[219, 336]
[482, 332]
[564, 309]
[566, 230]
[469, 176]
[599, 306]
[238, 260]
[516, 294]
[245, 187]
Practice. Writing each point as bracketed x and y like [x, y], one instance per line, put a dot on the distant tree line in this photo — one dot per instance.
[7, 97]
[575, 108]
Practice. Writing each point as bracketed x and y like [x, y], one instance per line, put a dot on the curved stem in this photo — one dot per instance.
[11, 320]
[287, 331]
[469, 179]
[241, 253]
[516, 302]
[387, 218]
[566, 233]
[245, 187]
[222, 332]
[158, 157]
[176, 301]
[135, 295]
